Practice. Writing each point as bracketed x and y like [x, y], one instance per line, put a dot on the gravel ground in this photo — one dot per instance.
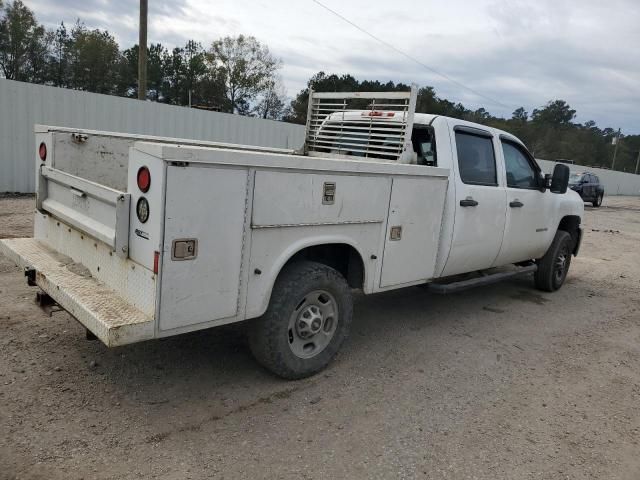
[499, 382]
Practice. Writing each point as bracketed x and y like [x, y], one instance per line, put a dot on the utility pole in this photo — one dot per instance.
[142, 52]
[637, 162]
[615, 151]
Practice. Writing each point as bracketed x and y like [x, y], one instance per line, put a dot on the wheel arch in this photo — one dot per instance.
[571, 225]
[338, 252]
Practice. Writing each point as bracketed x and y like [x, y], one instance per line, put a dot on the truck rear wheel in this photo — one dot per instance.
[554, 266]
[307, 321]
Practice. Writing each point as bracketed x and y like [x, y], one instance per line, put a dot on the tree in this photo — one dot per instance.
[247, 67]
[59, 57]
[21, 41]
[95, 60]
[271, 104]
[557, 112]
[520, 115]
[187, 70]
[157, 58]
[195, 70]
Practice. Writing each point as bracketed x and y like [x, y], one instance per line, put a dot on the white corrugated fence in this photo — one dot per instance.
[22, 105]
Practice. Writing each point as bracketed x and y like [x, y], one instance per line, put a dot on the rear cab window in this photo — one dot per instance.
[476, 158]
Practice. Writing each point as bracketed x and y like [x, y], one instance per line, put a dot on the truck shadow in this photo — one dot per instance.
[213, 361]
[187, 382]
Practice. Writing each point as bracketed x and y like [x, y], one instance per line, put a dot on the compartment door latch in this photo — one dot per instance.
[184, 249]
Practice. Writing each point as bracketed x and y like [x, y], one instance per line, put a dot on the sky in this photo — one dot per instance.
[509, 53]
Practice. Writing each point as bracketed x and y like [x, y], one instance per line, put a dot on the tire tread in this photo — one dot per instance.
[544, 275]
[265, 334]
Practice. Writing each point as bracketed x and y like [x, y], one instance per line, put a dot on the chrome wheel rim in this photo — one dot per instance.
[561, 264]
[313, 324]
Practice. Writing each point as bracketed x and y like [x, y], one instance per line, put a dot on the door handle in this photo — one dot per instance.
[516, 204]
[468, 202]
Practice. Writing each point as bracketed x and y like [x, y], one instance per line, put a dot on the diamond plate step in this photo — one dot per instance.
[105, 313]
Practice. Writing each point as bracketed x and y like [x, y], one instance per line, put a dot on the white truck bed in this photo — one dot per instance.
[250, 209]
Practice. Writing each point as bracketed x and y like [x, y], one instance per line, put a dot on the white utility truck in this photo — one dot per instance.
[143, 237]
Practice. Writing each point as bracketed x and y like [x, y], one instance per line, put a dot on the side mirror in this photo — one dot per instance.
[560, 179]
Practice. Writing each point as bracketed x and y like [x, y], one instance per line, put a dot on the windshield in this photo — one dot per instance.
[575, 178]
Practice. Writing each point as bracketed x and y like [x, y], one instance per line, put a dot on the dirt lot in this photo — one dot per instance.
[499, 382]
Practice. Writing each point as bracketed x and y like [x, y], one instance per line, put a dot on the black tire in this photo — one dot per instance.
[553, 267]
[272, 338]
[598, 201]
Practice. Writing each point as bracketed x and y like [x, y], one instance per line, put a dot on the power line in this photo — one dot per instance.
[413, 59]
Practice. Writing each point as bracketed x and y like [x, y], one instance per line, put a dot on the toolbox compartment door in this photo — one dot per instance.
[202, 248]
[413, 230]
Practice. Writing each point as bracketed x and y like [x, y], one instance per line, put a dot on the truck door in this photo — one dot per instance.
[480, 202]
[528, 230]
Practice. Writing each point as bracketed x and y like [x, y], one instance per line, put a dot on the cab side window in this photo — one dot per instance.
[476, 159]
[520, 172]
[424, 146]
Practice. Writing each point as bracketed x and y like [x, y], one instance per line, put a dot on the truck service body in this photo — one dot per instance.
[144, 237]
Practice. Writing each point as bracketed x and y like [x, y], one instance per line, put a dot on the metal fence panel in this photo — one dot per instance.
[22, 105]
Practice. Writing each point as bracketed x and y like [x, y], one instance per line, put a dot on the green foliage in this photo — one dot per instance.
[271, 104]
[247, 68]
[556, 113]
[237, 74]
[94, 59]
[23, 43]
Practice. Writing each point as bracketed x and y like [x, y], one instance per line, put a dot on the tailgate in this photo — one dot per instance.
[99, 308]
[99, 211]
[82, 181]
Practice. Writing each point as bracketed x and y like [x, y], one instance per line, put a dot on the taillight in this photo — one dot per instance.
[42, 151]
[144, 179]
[142, 209]
[156, 261]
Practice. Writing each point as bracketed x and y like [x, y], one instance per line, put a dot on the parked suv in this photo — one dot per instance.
[588, 186]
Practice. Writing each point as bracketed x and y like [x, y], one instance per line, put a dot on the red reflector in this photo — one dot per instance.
[377, 113]
[42, 151]
[156, 261]
[144, 179]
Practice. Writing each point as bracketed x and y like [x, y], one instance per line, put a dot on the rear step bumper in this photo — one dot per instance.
[101, 310]
[459, 286]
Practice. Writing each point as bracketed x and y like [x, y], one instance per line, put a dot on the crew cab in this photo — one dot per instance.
[142, 237]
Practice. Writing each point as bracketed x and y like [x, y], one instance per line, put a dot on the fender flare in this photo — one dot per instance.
[296, 247]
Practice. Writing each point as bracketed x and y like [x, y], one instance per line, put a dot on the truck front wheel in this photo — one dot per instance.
[553, 267]
[307, 321]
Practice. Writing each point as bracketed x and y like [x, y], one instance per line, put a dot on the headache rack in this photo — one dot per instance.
[373, 125]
